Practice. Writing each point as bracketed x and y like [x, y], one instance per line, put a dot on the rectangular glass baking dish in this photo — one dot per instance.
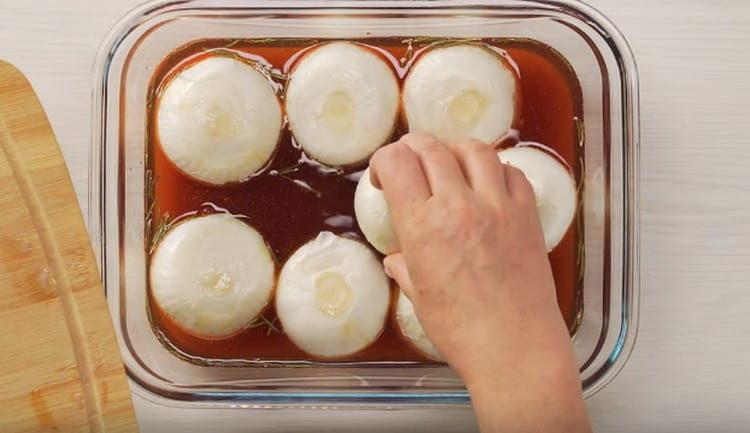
[125, 63]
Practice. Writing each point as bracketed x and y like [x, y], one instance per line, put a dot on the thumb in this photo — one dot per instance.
[395, 267]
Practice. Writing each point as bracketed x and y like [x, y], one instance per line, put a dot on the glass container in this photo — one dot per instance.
[590, 43]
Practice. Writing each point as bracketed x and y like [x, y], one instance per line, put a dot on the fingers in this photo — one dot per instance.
[418, 166]
[522, 192]
[518, 186]
[440, 165]
[397, 170]
[395, 267]
[482, 168]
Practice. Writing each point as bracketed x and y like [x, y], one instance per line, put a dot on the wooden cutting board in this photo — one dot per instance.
[60, 367]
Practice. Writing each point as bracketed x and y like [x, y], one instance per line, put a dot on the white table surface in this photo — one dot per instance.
[689, 371]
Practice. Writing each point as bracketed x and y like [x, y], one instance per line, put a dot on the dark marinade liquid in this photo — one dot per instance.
[294, 198]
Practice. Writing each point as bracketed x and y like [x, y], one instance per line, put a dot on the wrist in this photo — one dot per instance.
[521, 361]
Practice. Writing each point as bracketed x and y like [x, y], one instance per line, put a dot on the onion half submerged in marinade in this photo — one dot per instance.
[219, 120]
[554, 189]
[373, 216]
[412, 329]
[461, 91]
[333, 296]
[212, 275]
[342, 103]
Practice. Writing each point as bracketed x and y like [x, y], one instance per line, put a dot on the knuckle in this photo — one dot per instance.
[521, 178]
[387, 154]
[489, 154]
[462, 214]
[379, 161]
[476, 146]
[431, 147]
[514, 171]
[478, 150]
[418, 221]
[526, 190]
[396, 150]
[416, 137]
[378, 155]
[423, 143]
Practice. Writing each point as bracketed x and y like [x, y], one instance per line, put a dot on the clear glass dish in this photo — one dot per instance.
[125, 63]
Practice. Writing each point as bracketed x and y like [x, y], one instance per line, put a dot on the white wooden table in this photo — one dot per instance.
[689, 371]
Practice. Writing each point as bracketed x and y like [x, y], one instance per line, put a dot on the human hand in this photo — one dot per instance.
[472, 259]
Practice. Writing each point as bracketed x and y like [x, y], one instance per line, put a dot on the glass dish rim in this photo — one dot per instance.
[585, 14]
